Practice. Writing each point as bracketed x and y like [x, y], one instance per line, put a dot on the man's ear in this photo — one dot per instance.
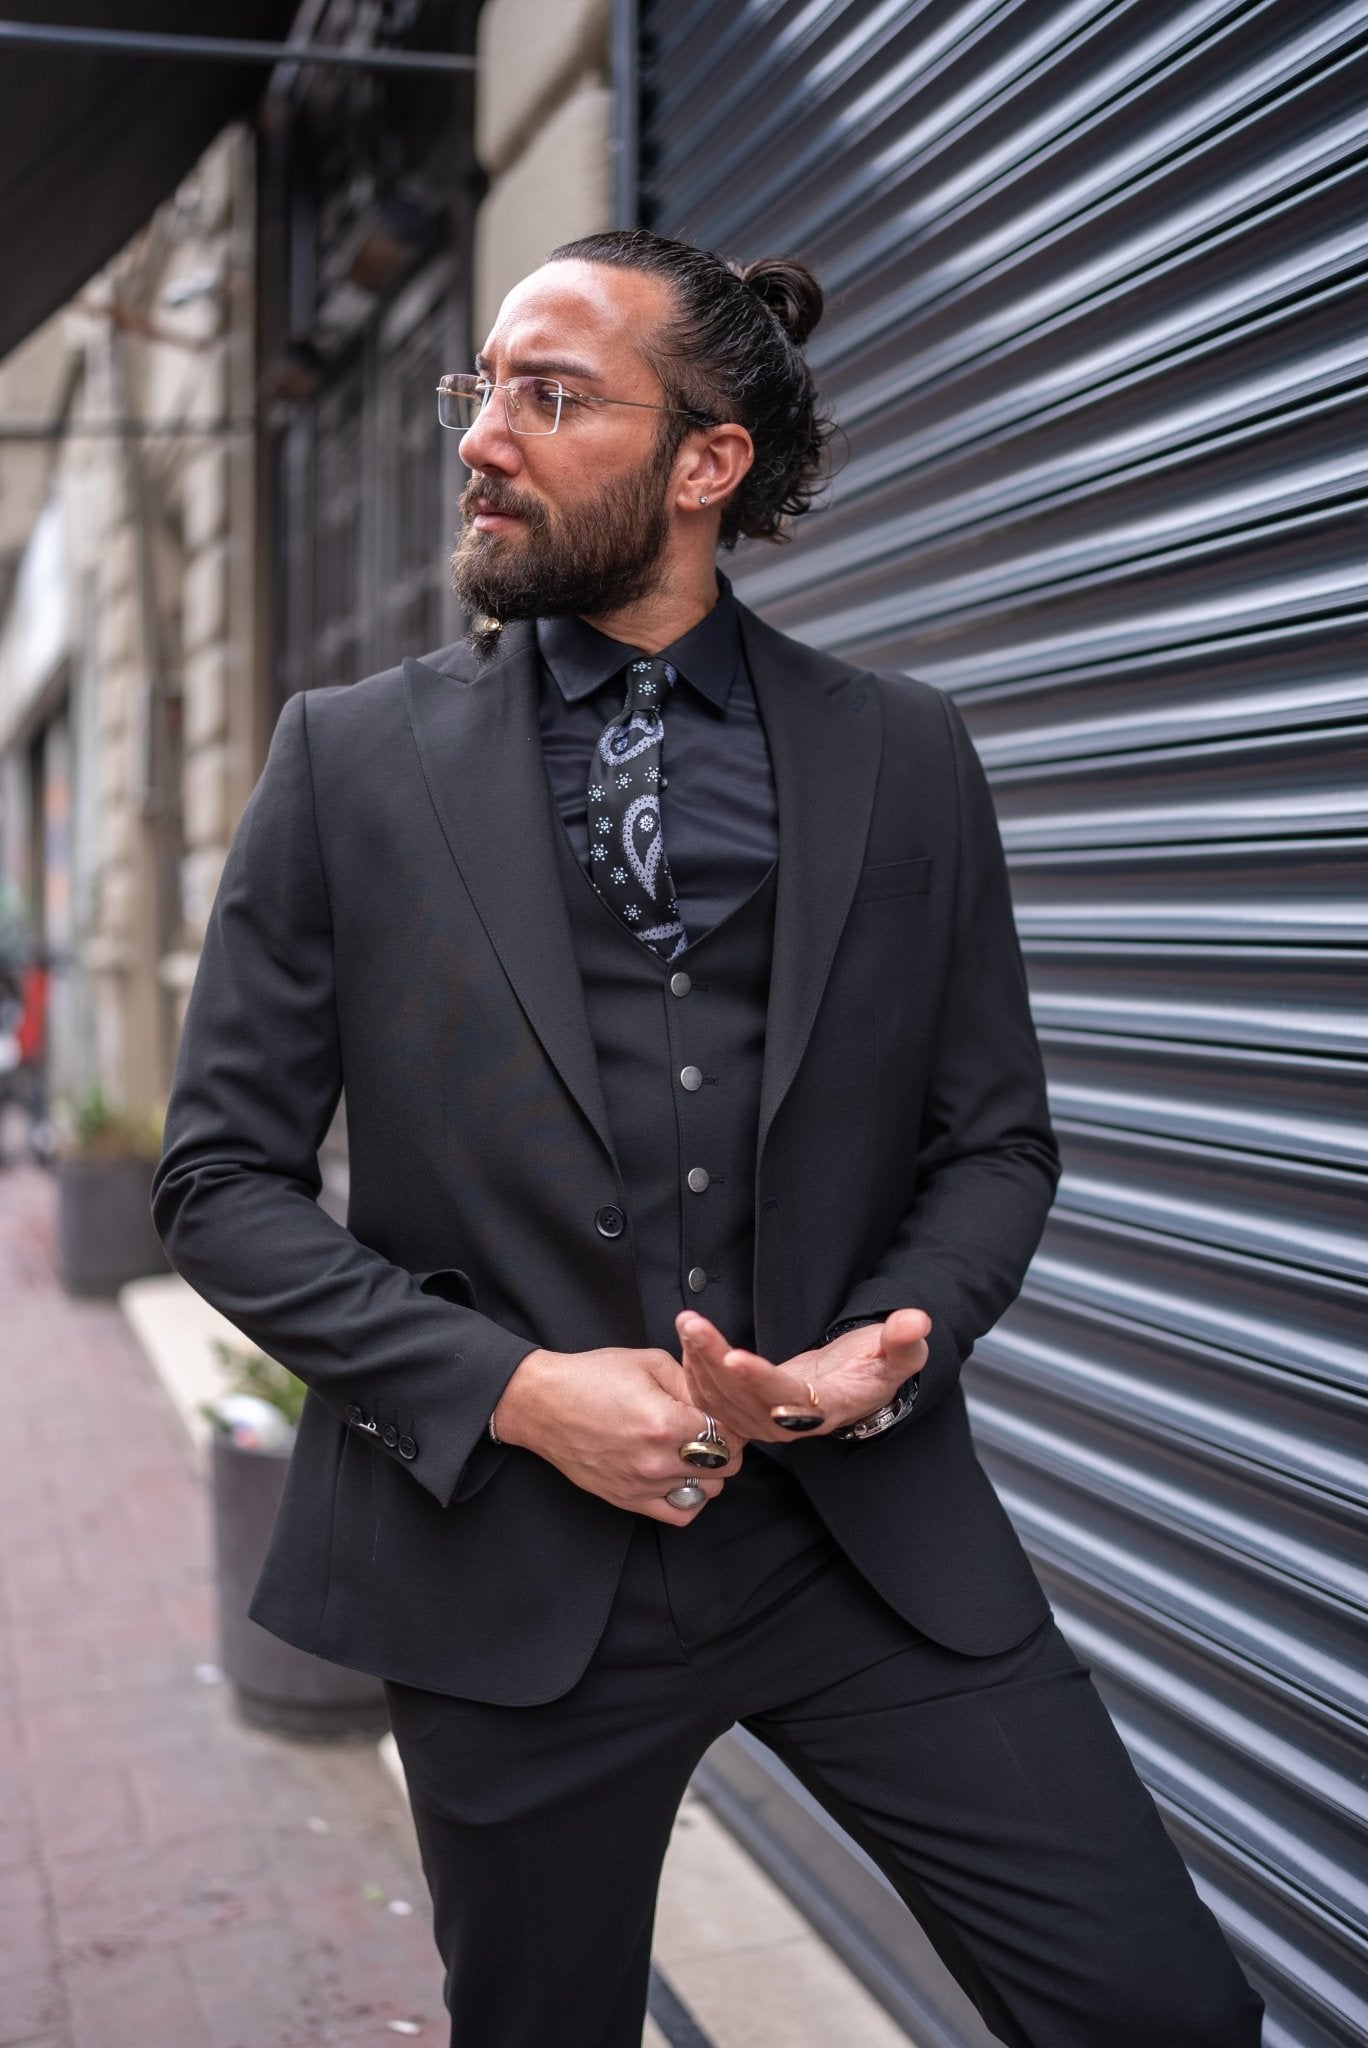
[711, 465]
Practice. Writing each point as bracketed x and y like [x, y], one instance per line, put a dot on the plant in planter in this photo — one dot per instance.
[105, 1159]
[275, 1685]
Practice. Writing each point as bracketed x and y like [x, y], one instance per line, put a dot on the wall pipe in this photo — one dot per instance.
[226, 49]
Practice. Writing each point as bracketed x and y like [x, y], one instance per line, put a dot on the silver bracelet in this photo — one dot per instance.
[494, 1436]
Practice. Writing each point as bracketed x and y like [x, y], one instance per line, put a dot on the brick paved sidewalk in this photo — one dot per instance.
[165, 1877]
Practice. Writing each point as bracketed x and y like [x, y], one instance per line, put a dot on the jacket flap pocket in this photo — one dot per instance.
[894, 878]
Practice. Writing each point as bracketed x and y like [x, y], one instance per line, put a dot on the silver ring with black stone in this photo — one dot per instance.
[709, 1450]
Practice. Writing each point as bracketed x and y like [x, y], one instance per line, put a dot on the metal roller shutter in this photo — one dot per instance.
[1091, 270]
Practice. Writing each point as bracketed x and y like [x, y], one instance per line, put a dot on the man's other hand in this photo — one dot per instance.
[612, 1421]
[852, 1376]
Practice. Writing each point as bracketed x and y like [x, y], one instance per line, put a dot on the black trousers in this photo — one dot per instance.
[993, 1792]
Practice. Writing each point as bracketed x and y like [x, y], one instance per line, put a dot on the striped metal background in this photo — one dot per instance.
[1093, 273]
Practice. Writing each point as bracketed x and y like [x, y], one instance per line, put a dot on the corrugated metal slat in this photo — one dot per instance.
[1094, 336]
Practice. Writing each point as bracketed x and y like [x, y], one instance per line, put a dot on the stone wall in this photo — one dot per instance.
[543, 134]
[223, 700]
[168, 716]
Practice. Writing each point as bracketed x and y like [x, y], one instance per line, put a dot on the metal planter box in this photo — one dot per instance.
[276, 1686]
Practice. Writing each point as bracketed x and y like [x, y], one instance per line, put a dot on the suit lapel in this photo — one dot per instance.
[480, 746]
[823, 726]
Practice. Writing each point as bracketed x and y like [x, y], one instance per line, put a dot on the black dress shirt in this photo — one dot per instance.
[718, 810]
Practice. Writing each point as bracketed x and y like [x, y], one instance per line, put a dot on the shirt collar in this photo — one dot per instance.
[708, 656]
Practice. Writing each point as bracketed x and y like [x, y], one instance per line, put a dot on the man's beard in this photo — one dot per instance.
[590, 560]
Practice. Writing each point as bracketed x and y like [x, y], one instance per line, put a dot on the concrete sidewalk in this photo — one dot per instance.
[169, 1877]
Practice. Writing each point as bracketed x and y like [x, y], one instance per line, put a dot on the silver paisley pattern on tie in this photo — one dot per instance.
[627, 863]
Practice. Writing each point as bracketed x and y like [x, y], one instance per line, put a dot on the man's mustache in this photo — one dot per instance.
[495, 496]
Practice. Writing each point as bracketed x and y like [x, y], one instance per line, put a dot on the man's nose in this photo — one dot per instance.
[487, 442]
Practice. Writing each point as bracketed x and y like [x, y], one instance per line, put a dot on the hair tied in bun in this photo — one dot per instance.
[720, 357]
[791, 293]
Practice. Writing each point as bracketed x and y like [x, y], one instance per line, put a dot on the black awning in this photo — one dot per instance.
[91, 142]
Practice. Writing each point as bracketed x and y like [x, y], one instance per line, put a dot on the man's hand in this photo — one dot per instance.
[851, 1377]
[612, 1421]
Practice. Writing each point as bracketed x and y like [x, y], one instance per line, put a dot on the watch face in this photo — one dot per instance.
[878, 1422]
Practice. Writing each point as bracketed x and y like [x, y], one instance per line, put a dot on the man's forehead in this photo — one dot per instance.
[571, 313]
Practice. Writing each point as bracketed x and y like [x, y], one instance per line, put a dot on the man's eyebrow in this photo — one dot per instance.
[546, 366]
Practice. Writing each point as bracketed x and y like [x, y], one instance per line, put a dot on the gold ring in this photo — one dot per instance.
[798, 1420]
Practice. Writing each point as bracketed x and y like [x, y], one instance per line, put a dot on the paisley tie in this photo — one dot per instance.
[627, 863]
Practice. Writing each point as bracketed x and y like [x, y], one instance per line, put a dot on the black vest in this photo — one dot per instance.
[680, 1048]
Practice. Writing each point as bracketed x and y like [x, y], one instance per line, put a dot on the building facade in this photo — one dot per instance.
[132, 728]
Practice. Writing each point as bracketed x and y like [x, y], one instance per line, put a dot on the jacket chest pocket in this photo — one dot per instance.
[893, 878]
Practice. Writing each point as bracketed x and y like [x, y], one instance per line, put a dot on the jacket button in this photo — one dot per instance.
[354, 1415]
[680, 984]
[610, 1221]
[691, 1078]
[407, 1447]
[698, 1178]
[389, 1436]
[698, 1279]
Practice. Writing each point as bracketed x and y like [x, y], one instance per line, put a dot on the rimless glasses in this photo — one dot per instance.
[532, 405]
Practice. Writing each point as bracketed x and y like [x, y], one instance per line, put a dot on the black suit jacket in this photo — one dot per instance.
[391, 917]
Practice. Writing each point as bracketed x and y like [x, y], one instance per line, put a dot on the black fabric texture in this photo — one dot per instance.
[391, 917]
[993, 1792]
[645, 1036]
[718, 809]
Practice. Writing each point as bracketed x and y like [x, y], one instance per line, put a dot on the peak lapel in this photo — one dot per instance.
[824, 730]
[480, 746]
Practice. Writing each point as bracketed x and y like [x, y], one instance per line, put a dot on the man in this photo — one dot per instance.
[697, 1130]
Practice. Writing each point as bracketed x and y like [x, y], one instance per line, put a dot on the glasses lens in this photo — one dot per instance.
[460, 400]
[534, 404]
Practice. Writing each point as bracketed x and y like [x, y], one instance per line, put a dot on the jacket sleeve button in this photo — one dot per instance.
[407, 1447]
[389, 1436]
[354, 1415]
[610, 1221]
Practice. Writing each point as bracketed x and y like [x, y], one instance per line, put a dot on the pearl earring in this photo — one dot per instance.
[702, 498]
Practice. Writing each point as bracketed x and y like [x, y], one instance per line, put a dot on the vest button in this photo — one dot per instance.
[691, 1078]
[680, 984]
[610, 1221]
[698, 1279]
[698, 1178]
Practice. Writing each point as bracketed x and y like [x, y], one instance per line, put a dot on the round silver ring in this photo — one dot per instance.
[689, 1495]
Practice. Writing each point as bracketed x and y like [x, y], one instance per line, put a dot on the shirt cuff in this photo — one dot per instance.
[839, 1328]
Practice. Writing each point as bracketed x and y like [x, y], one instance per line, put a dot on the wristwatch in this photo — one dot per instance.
[892, 1411]
[883, 1418]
